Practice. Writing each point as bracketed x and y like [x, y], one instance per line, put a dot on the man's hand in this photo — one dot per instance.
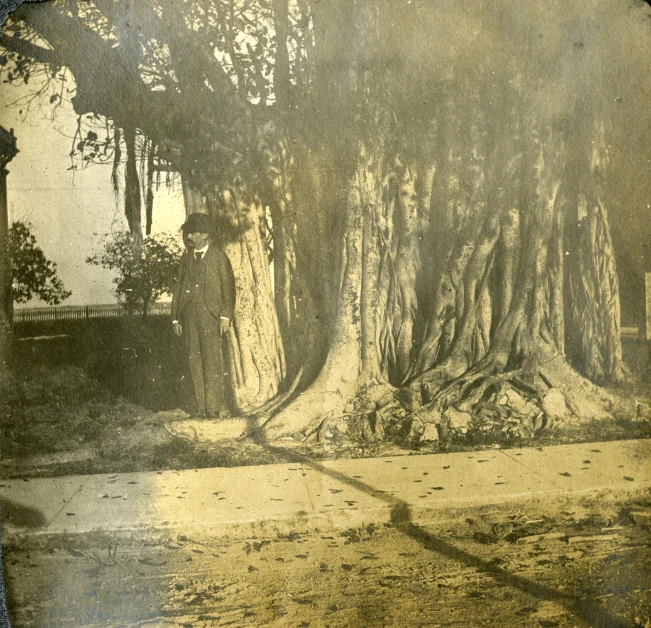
[224, 325]
[178, 330]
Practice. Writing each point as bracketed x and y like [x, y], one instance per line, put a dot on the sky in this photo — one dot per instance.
[69, 211]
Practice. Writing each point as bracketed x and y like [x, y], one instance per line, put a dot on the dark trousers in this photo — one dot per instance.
[204, 346]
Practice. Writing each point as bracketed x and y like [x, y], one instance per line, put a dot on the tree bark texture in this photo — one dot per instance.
[255, 354]
[593, 286]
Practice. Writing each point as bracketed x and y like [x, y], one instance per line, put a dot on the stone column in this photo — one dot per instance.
[7, 152]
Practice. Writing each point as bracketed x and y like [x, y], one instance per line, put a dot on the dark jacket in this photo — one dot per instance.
[217, 283]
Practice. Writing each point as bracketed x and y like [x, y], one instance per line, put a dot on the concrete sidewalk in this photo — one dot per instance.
[303, 495]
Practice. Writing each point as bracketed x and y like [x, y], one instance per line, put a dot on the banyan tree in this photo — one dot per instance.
[432, 181]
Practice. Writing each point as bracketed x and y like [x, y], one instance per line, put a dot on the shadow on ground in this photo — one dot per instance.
[401, 520]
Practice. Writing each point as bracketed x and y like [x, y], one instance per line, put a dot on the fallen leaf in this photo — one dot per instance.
[589, 539]
[150, 562]
[550, 536]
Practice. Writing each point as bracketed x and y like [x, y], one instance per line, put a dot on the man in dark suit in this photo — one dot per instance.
[202, 312]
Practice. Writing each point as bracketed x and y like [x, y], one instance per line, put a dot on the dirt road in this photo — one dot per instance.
[557, 563]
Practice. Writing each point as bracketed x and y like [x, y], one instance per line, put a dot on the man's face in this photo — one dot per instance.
[197, 239]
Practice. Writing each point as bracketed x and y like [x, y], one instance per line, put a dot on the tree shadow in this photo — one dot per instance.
[21, 516]
[401, 519]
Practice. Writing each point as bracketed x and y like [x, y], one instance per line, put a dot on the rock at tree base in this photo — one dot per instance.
[416, 430]
[526, 408]
[428, 415]
[430, 433]
[553, 404]
[457, 420]
[210, 430]
[340, 425]
[515, 400]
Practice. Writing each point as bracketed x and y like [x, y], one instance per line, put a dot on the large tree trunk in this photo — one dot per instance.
[593, 288]
[408, 205]
[353, 367]
[594, 322]
[306, 208]
[497, 319]
[281, 202]
[255, 356]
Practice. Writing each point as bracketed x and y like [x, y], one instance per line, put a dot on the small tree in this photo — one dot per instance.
[34, 275]
[140, 281]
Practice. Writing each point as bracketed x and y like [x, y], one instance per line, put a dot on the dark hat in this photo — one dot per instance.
[197, 223]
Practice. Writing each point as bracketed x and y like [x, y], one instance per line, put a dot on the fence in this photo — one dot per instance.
[83, 312]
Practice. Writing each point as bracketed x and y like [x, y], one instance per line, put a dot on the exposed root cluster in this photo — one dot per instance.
[374, 414]
[501, 408]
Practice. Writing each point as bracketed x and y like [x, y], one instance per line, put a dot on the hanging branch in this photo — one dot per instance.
[132, 196]
[149, 203]
[117, 156]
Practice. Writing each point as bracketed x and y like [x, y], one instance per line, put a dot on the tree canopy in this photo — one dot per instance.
[438, 183]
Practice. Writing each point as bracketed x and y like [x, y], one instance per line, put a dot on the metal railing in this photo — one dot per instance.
[84, 312]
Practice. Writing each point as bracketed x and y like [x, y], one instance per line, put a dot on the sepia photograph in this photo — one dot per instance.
[325, 313]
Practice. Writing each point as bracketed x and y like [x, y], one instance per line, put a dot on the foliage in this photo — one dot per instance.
[34, 275]
[202, 105]
[140, 281]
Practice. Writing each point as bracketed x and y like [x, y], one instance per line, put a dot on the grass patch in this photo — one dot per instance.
[61, 421]
[46, 411]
